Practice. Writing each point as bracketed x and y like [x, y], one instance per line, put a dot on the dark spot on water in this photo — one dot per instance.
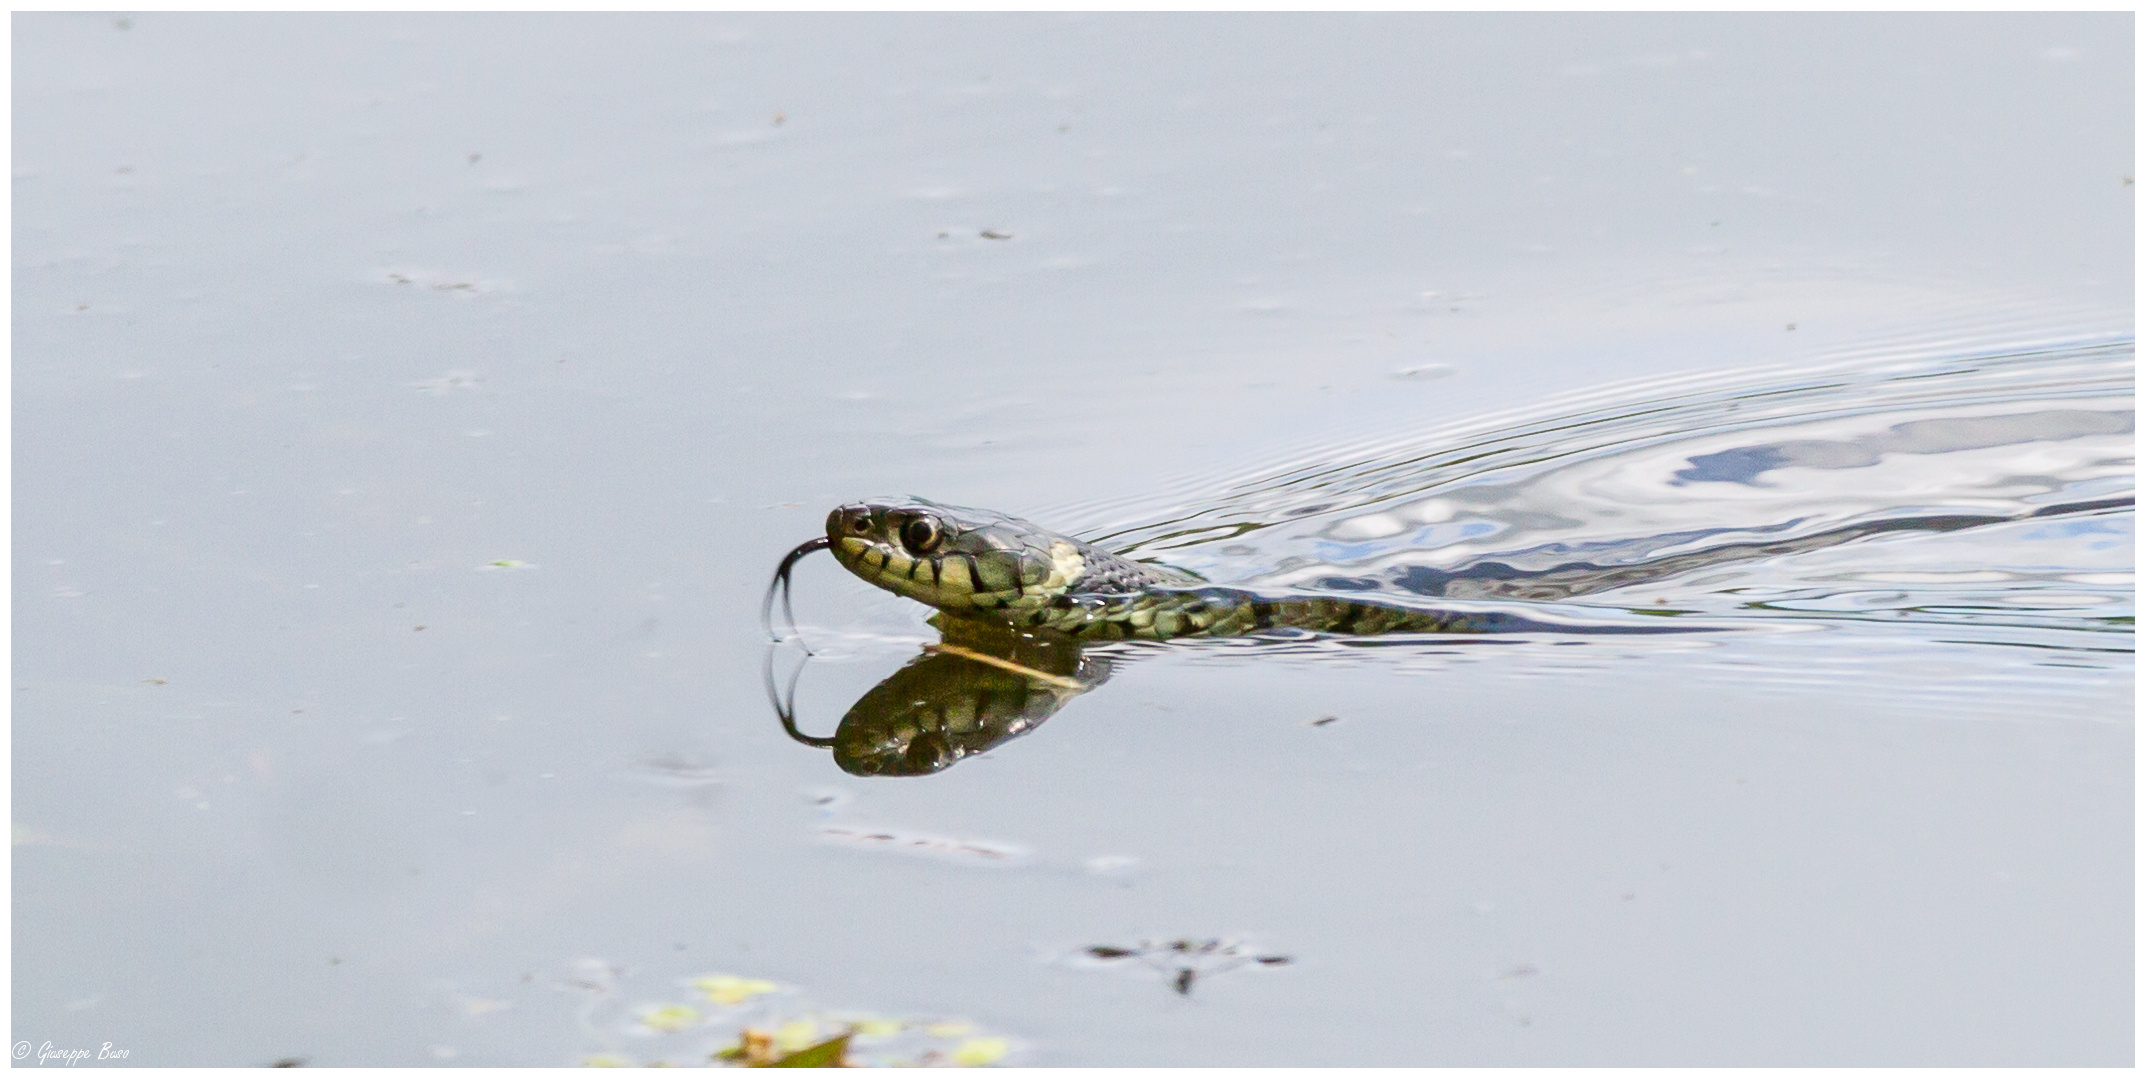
[1349, 584]
[1743, 465]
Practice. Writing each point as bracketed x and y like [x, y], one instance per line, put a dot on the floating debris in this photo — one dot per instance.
[728, 989]
[1183, 962]
[744, 1032]
[828, 800]
[669, 1018]
[981, 1052]
[759, 1049]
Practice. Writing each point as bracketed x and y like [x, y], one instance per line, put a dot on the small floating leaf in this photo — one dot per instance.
[981, 1052]
[605, 1060]
[948, 1030]
[1101, 951]
[670, 1018]
[827, 1054]
[731, 989]
[795, 1035]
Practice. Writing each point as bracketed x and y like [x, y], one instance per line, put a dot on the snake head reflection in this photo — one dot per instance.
[948, 704]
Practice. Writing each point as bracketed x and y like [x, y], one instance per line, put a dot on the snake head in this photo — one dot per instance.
[962, 561]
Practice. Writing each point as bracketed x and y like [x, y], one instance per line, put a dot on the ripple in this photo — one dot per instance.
[1926, 481]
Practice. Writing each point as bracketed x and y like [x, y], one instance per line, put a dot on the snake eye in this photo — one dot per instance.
[920, 535]
[857, 521]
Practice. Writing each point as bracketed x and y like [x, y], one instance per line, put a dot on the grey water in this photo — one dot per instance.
[410, 409]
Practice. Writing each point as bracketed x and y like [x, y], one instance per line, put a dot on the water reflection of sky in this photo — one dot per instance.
[1428, 537]
[2059, 531]
[316, 315]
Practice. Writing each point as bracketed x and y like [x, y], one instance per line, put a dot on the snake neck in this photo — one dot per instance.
[1106, 574]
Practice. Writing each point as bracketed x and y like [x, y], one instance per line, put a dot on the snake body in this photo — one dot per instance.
[984, 567]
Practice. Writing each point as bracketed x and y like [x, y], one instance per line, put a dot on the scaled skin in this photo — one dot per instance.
[982, 566]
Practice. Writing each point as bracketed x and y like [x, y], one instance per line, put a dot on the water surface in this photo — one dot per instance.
[410, 409]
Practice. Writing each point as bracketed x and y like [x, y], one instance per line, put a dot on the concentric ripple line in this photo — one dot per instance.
[1622, 415]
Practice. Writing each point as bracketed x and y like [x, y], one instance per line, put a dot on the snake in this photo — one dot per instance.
[986, 569]
[1017, 603]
